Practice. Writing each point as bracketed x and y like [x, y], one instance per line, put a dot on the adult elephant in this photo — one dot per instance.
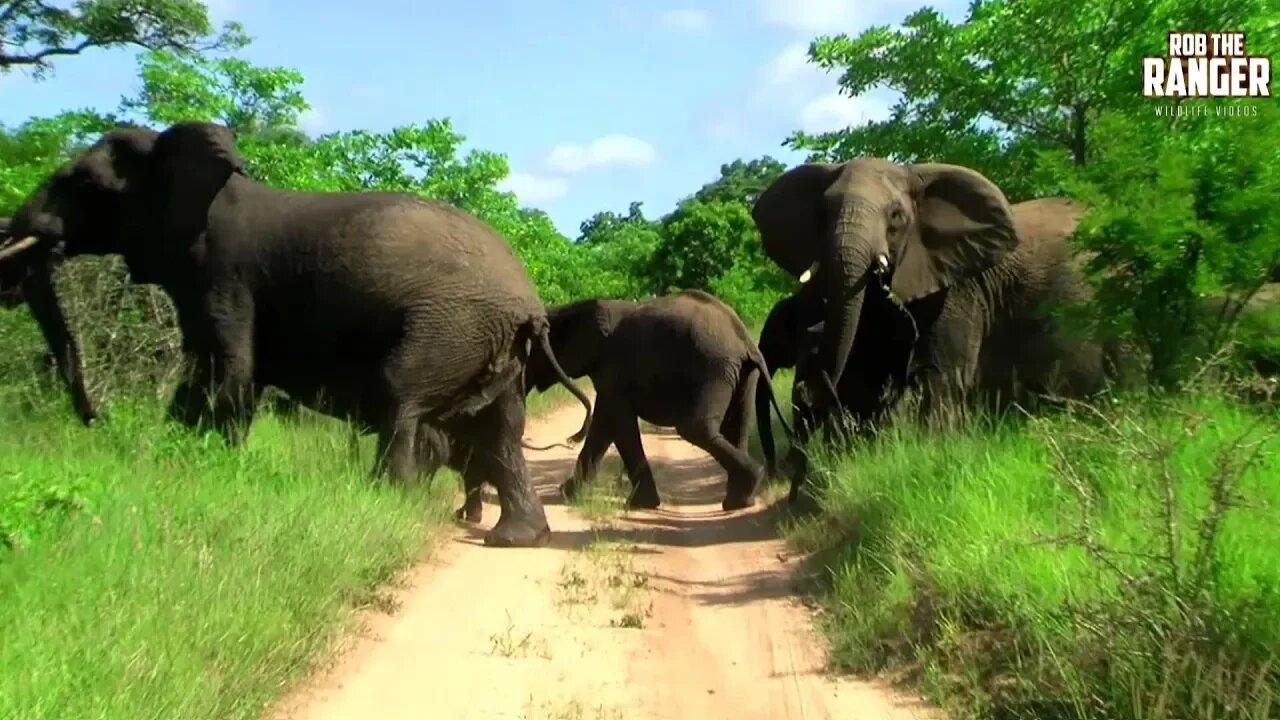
[684, 361]
[380, 307]
[921, 228]
[982, 331]
[30, 281]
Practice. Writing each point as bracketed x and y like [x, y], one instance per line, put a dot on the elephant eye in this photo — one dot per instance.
[897, 217]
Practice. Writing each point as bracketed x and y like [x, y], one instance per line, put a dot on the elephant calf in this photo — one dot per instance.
[684, 361]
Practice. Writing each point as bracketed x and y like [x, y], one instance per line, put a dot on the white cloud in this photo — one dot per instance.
[812, 16]
[533, 189]
[791, 64]
[685, 19]
[313, 121]
[220, 10]
[608, 150]
[723, 127]
[834, 111]
[820, 17]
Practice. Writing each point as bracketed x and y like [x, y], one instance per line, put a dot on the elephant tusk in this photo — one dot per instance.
[808, 274]
[882, 264]
[17, 247]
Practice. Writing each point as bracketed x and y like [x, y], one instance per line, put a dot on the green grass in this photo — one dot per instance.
[153, 573]
[1096, 564]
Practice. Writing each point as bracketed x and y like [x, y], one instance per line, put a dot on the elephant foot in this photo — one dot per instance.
[466, 513]
[801, 501]
[513, 533]
[737, 502]
[644, 500]
[570, 490]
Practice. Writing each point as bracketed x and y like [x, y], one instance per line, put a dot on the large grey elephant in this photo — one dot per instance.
[684, 361]
[380, 307]
[30, 281]
[939, 248]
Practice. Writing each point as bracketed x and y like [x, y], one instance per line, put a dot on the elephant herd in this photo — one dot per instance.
[416, 321]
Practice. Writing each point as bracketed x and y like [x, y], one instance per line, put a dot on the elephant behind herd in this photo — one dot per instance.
[416, 320]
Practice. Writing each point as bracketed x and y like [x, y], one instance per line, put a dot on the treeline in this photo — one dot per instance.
[1184, 206]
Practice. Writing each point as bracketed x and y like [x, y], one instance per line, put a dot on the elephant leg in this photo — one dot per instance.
[472, 509]
[644, 490]
[744, 473]
[396, 445]
[494, 434]
[736, 428]
[600, 435]
[952, 356]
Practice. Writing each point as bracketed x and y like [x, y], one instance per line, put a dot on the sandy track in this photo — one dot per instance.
[552, 632]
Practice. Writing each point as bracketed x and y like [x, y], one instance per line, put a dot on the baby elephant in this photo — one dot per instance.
[683, 361]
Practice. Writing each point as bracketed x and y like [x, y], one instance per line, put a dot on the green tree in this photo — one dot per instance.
[743, 181]
[1040, 96]
[620, 248]
[246, 98]
[1180, 213]
[1012, 80]
[33, 33]
[714, 245]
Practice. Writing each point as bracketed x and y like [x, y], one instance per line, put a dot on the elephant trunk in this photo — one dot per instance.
[38, 292]
[851, 250]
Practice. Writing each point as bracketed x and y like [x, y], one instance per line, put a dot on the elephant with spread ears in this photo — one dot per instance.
[937, 255]
[384, 308]
[30, 280]
[684, 361]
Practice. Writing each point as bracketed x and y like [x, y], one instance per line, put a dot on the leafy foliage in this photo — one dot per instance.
[1040, 97]
[33, 33]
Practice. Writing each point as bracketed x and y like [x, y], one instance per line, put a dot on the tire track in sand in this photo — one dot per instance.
[552, 632]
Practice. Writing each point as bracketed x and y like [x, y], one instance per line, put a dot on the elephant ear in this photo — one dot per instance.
[194, 161]
[790, 215]
[964, 225]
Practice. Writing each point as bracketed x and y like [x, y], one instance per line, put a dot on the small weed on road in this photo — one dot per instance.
[572, 710]
[604, 573]
[511, 644]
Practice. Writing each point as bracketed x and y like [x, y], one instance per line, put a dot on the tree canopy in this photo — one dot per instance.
[1038, 95]
[34, 33]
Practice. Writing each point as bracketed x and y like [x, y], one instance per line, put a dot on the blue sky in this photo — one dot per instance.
[596, 103]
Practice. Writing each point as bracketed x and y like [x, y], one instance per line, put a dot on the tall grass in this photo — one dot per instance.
[1096, 563]
[147, 572]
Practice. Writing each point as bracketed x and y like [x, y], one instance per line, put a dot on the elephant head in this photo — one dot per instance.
[921, 227]
[578, 334]
[29, 279]
[136, 192]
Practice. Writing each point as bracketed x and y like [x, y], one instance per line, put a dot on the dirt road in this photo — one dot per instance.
[680, 613]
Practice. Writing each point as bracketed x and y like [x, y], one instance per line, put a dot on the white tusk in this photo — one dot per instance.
[15, 248]
[808, 274]
[882, 261]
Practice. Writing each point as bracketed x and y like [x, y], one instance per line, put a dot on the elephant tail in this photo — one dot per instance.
[544, 343]
[762, 420]
[764, 425]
